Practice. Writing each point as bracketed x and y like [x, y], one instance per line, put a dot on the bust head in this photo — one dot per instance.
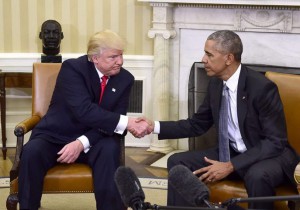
[51, 35]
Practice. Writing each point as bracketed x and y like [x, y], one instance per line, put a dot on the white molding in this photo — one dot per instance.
[230, 2]
[22, 62]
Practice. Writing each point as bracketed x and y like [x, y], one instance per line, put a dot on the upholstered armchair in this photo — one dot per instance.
[289, 90]
[62, 178]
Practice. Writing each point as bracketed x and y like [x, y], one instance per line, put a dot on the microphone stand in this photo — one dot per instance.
[260, 199]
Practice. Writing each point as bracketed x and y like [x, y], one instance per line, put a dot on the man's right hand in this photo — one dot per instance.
[139, 127]
[150, 123]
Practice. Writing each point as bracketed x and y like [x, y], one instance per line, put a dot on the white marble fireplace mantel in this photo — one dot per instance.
[269, 29]
[231, 2]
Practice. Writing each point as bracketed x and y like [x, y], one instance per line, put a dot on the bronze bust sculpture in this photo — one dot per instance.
[51, 35]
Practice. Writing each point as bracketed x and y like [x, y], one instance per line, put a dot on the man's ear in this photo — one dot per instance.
[94, 59]
[61, 35]
[40, 36]
[230, 59]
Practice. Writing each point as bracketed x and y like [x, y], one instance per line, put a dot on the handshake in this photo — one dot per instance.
[140, 127]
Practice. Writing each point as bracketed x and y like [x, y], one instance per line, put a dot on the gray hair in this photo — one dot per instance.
[228, 42]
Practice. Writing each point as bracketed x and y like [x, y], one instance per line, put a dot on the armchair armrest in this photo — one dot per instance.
[26, 125]
[297, 176]
[20, 130]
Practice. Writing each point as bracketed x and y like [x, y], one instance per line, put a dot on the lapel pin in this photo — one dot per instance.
[113, 90]
[244, 97]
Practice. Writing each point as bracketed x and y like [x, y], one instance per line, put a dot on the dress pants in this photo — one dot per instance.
[40, 154]
[260, 179]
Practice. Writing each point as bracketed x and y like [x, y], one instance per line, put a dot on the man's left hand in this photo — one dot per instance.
[70, 152]
[214, 172]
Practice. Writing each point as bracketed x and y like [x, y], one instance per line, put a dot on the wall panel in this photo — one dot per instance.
[21, 20]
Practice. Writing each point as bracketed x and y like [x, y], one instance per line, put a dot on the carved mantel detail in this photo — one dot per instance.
[271, 4]
[162, 21]
[264, 20]
[166, 34]
[231, 6]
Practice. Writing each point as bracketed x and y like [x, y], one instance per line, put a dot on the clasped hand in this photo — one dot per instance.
[140, 127]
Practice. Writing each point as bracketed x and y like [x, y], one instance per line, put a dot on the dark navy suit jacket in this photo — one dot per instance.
[261, 121]
[74, 109]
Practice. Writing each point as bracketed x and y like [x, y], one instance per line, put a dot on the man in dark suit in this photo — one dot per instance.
[259, 152]
[81, 127]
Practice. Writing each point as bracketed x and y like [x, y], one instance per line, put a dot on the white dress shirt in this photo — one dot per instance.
[235, 138]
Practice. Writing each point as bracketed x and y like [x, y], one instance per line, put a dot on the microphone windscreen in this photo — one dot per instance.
[129, 186]
[188, 185]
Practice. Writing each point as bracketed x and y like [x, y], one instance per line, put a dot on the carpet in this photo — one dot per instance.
[162, 162]
[155, 192]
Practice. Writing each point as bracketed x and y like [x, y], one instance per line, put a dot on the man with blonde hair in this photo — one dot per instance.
[83, 123]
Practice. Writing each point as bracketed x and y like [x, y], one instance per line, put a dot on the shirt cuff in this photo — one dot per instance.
[122, 125]
[156, 129]
[85, 142]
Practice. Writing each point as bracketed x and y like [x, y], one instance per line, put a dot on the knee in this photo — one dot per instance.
[31, 152]
[256, 177]
[174, 160]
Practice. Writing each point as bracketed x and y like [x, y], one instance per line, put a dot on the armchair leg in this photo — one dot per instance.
[12, 201]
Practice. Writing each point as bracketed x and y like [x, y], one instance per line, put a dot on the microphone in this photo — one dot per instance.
[130, 188]
[133, 195]
[189, 186]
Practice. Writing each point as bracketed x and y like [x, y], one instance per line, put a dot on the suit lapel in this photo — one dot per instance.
[242, 98]
[107, 89]
[95, 81]
[216, 96]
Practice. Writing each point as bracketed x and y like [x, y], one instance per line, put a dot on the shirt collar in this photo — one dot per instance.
[99, 73]
[233, 81]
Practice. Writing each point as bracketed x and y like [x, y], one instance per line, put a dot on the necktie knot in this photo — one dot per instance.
[104, 79]
[225, 89]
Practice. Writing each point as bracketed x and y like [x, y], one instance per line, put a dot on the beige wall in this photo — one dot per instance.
[21, 20]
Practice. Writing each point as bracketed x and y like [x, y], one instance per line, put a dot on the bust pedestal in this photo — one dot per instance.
[51, 58]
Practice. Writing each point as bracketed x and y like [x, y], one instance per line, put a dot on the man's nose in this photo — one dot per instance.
[119, 60]
[51, 34]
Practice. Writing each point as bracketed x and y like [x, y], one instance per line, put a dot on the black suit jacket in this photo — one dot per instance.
[74, 109]
[260, 116]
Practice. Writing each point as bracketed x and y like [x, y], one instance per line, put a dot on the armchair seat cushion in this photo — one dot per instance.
[65, 178]
[226, 189]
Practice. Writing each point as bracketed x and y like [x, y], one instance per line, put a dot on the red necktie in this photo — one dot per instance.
[103, 85]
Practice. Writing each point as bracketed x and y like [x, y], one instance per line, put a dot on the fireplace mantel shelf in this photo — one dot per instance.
[231, 2]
